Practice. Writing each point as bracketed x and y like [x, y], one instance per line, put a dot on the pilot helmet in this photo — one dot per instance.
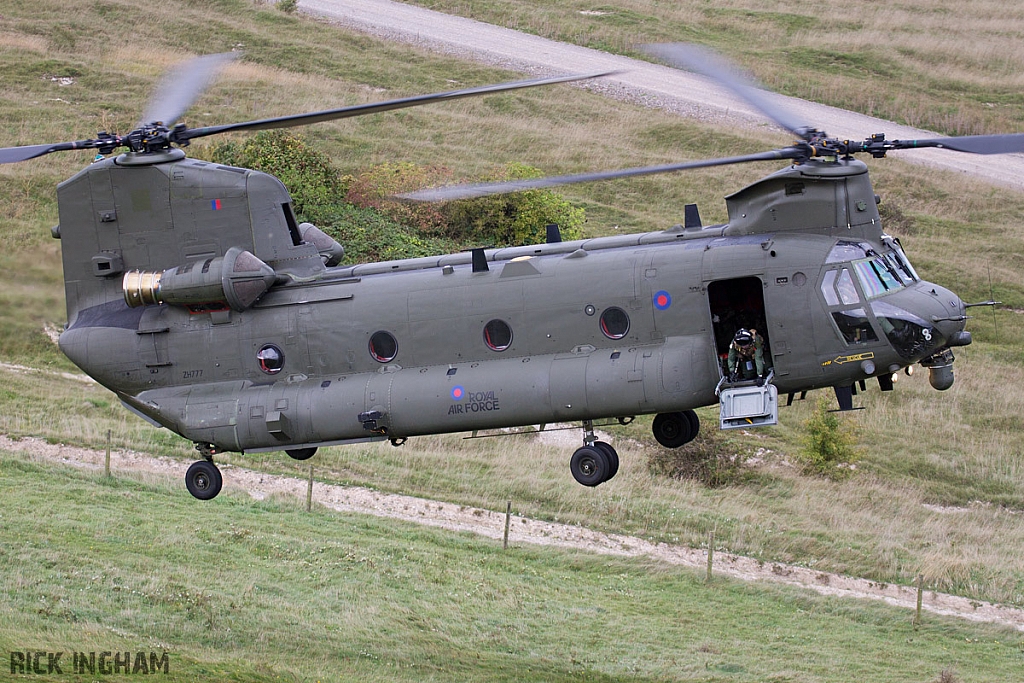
[743, 337]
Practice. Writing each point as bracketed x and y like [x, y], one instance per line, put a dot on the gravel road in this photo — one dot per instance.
[640, 82]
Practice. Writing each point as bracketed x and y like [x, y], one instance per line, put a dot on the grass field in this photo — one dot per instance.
[262, 591]
[938, 491]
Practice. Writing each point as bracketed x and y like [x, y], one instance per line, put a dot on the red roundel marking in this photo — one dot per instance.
[457, 392]
[662, 300]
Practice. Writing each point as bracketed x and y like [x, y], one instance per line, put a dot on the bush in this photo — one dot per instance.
[375, 189]
[500, 220]
[514, 219]
[315, 186]
[369, 236]
[288, 6]
[829, 448]
[709, 459]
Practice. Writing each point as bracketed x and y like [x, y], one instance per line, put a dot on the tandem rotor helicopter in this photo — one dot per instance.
[197, 298]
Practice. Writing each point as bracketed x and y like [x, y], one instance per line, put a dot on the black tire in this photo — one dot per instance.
[203, 480]
[672, 430]
[694, 424]
[302, 453]
[613, 458]
[589, 466]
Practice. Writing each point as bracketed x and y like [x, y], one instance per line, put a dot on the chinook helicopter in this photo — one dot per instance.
[198, 299]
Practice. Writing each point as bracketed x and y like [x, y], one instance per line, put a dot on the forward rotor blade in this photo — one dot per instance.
[182, 86]
[975, 144]
[373, 108]
[707, 63]
[473, 190]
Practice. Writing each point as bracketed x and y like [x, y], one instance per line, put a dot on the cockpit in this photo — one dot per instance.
[864, 291]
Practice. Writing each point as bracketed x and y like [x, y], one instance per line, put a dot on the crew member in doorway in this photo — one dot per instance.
[746, 356]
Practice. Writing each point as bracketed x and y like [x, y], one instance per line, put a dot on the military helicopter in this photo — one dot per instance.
[198, 299]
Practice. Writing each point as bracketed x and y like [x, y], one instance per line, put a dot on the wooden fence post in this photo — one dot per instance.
[309, 490]
[106, 458]
[508, 521]
[920, 594]
[711, 553]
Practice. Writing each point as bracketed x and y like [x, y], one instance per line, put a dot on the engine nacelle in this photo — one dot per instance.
[238, 277]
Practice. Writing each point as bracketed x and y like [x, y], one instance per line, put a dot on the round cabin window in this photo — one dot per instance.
[383, 347]
[614, 323]
[497, 335]
[270, 358]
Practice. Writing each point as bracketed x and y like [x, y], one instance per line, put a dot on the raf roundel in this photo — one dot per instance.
[458, 392]
[662, 300]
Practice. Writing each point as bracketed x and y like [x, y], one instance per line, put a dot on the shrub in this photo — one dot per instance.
[369, 236]
[314, 183]
[287, 6]
[376, 187]
[500, 220]
[514, 219]
[709, 459]
[829, 448]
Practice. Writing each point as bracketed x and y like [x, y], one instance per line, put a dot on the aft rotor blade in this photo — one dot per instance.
[373, 108]
[707, 63]
[974, 144]
[472, 190]
[182, 86]
[11, 155]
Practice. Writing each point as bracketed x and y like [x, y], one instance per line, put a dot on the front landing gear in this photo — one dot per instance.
[596, 462]
[673, 430]
[203, 480]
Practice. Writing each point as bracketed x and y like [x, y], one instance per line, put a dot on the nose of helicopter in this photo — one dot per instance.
[949, 316]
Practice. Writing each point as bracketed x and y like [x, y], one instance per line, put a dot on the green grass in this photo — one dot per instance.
[242, 590]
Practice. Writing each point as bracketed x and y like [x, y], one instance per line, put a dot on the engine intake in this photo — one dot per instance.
[238, 278]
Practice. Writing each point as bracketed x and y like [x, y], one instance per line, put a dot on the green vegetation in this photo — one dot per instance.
[245, 590]
[830, 448]
[363, 214]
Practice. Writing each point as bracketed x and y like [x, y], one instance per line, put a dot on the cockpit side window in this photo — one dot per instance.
[847, 292]
[828, 288]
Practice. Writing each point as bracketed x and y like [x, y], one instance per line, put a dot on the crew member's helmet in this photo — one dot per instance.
[743, 337]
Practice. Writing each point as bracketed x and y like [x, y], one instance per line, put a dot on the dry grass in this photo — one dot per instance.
[953, 67]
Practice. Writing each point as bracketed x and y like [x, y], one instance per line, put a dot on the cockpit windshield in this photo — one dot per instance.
[879, 273]
[877, 276]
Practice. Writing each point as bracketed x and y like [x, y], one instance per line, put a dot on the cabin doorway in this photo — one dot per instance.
[734, 304]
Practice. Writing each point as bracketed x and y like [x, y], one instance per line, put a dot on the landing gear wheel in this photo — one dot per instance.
[613, 458]
[589, 466]
[672, 430]
[694, 424]
[302, 453]
[203, 480]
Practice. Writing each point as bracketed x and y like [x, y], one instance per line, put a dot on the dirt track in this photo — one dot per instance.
[350, 499]
[639, 82]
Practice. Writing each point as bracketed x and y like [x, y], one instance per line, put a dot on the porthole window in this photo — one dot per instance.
[383, 347]
[271, 359]
[497, 335]
[614, 323]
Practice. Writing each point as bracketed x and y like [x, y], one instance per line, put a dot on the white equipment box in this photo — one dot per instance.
[748, 405]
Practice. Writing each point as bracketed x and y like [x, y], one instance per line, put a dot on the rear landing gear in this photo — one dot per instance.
[596, 461]
[673, 430]
[203, 480]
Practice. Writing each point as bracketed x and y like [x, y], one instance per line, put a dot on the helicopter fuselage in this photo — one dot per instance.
[603, 328]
